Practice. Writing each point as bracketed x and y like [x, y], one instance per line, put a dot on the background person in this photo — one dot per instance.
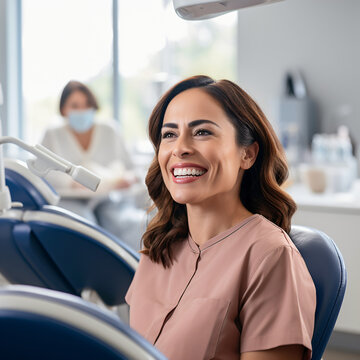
[219, 277]
[98, 146]
[84, 140]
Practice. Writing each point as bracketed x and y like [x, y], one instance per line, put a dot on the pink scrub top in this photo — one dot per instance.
[246, 289]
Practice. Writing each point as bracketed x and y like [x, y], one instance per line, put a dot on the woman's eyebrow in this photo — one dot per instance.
[201, 121]
[170, 125]
[191, 123]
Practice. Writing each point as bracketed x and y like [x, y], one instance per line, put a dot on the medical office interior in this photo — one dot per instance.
[299, 59]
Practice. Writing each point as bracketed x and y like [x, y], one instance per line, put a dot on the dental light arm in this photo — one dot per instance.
[45, 161]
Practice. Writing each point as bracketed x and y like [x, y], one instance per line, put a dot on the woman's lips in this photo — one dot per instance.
[185, 179]
[187, 174]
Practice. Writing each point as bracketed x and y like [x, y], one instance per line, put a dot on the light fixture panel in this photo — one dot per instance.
[206, 9]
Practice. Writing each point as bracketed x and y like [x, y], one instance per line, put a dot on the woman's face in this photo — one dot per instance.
[77, 101]
[198, 154]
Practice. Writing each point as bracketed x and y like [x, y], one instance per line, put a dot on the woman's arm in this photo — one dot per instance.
[287, 352]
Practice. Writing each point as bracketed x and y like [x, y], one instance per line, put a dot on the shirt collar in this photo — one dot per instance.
[219, 237]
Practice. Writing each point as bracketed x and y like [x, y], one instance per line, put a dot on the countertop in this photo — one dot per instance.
[342, 201]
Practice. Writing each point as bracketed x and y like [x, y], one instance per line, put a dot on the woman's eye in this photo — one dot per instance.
[202, 132]
[167, 135]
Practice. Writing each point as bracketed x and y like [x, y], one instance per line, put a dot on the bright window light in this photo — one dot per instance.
[64, 40]
[67, 39]
[157, 49]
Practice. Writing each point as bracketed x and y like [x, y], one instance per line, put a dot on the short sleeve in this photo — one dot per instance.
[278, 307]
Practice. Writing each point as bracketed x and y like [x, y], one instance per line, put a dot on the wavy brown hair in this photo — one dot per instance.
[260, 190]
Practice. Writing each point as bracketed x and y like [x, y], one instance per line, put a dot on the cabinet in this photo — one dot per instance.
[340, 219]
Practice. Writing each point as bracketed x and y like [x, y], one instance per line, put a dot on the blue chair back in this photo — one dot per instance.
[42, 324]
[47, 246]
[58, 250]
[327, 269]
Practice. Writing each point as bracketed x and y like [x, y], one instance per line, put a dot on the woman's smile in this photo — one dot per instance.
[184, 173]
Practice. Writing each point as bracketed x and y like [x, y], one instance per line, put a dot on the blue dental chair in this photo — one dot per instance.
[327, 269]
[46, 246]
[42, 324]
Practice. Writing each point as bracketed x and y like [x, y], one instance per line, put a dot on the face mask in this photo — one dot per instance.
[81, 121]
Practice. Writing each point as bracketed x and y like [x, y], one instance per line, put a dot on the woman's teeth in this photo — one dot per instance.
[188, 172]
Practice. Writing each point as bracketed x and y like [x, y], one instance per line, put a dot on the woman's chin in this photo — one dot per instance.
[186, 199]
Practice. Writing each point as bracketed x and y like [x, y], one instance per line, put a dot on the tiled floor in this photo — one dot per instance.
[331, 354]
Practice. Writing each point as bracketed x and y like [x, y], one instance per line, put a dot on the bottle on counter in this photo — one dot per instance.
[333, 153]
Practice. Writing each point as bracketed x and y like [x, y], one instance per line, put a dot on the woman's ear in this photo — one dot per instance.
[249, 154]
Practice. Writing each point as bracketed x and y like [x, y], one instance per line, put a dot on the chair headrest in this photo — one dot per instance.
[327, 269]
[27, 188]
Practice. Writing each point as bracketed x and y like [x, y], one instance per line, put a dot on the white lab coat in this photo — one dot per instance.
[106, 155]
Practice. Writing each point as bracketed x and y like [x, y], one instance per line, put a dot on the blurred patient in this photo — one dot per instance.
[84, 140]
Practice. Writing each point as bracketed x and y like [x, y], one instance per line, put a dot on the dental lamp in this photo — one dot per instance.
[44, 161]
[206, 9]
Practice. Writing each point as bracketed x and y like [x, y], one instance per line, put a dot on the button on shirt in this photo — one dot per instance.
[246, 289]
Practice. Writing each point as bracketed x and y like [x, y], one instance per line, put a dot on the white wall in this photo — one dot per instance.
[319, 37]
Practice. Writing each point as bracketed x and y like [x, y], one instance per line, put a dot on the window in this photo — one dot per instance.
[67, 39]
[157, 49]
[64, 40]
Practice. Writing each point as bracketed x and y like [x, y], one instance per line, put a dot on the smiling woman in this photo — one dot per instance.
[219, 277]
[224, 121]
[212, 143]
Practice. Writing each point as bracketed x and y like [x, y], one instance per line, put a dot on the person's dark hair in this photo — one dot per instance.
[260, 188]
[73, 86]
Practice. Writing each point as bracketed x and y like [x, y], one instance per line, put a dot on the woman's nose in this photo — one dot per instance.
[182, 147]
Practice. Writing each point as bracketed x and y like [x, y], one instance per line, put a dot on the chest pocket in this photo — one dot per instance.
[193, 330]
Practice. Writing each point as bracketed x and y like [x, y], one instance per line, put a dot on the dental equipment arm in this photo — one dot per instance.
[45, 161]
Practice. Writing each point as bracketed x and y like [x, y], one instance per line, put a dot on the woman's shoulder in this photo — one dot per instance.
[269, 247]
[265, 236]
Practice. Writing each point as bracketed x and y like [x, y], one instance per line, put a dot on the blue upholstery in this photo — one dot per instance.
[33, 192]
[55, 249]
[22, 190]
[23, 260]
[42, 324]
[327, 269]
[46, 246]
